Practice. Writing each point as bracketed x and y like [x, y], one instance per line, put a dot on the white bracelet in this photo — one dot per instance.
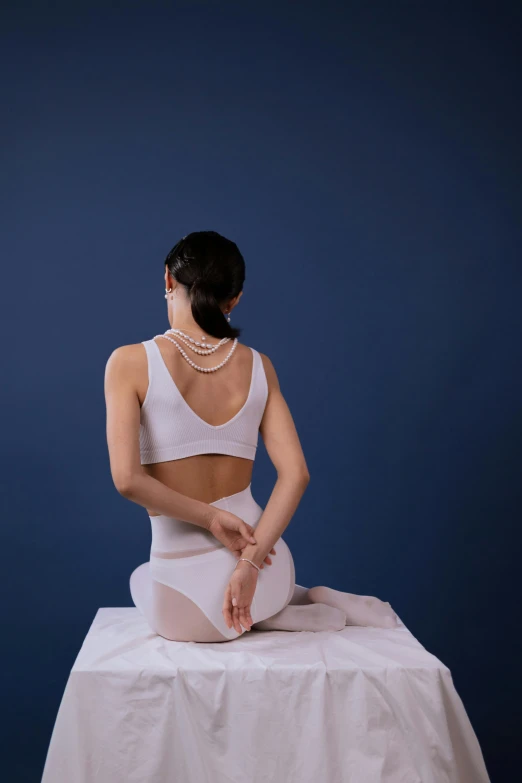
[248, 561]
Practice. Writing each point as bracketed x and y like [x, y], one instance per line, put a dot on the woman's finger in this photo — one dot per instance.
[227, 608]
[248, 532]
[268, 560]
[235, 619]
[243, 618]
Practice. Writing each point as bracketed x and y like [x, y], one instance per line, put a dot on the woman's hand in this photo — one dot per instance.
[238, 596]
[234, 533]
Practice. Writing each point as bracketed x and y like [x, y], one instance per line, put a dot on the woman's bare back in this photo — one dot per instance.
[216, 398]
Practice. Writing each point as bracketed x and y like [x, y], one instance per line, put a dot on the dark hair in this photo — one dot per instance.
[213, 271]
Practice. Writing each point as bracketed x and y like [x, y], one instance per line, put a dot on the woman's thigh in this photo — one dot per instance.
[168, 612]
[178, 618]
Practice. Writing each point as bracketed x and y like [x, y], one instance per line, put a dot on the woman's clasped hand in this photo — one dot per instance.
[236, 534]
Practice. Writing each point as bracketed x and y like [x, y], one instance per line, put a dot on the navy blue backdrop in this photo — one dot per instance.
[366, 159]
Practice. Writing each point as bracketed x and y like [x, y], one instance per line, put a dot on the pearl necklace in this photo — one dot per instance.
[197, 366]
[180, 331]
[190, 342]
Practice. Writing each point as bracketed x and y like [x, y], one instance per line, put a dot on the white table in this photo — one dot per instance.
[360, 705]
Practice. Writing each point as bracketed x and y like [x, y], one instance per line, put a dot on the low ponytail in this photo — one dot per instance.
[213, 271]
[207, 312]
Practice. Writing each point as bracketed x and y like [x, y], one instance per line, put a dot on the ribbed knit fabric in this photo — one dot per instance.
[170, 429]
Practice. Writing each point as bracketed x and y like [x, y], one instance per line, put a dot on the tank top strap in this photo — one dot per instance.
[260, 382]
[154, 370]
[149, 349]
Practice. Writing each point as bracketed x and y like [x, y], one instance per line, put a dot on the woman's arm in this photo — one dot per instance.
[123, 426]
[284, 449]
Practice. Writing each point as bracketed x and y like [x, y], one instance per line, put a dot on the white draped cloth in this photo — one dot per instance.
[359, 705]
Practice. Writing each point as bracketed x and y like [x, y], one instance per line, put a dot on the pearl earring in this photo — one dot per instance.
[168, 290]
[228, 317]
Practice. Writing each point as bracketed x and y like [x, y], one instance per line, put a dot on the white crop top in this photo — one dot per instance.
[170, 429]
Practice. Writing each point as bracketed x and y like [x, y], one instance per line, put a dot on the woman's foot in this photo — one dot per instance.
[359, 609]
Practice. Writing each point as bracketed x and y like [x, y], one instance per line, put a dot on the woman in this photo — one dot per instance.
[184, 410]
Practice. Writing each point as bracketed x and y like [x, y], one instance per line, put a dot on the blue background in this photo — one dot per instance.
[366, 159]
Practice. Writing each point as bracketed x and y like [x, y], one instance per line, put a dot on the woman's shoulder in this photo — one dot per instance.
[126, 358]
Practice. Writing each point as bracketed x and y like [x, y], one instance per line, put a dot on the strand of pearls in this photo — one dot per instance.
[208, 348]
[205, 342]
[190, 331]
[193, 364]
